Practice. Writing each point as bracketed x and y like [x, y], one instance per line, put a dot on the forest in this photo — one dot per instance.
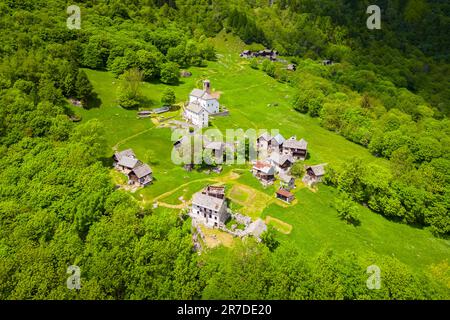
[388, 91]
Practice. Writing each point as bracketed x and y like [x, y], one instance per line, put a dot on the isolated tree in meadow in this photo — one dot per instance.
[168, 97]
[129, 88]
[133, 79]
[83, 86]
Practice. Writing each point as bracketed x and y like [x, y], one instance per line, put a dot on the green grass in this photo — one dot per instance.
[316, 226]
[186, 192]
[246, 93]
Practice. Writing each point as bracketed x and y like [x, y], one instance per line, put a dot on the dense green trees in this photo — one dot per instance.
[58, 206]
[253, 272]
[170, 73]
[410, 196]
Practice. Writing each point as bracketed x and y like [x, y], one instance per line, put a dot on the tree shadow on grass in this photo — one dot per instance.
[107, 162]
[93, 102]
[174, 108]
[145, 103]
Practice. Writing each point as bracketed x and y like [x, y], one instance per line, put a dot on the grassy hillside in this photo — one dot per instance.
[312, 221]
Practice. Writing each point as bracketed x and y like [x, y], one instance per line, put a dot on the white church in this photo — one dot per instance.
[201, 104]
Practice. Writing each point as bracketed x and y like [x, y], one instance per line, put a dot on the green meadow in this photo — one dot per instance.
[247, 94]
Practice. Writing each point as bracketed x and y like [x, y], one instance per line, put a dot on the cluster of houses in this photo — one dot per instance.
[280, 154]
[272, 55]
[266, 53]
[139, 174]
[215, 149]
[202, 104]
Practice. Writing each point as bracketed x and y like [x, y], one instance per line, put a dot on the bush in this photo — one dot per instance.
[168, 97]
[254, 64]
[298, 170]
[347, 209]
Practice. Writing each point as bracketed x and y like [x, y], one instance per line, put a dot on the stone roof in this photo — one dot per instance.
[266, 136]
[280, 159]
[285, 177]
[142, 171]
[205, 201]
[215, 145]
[201, 94]
[292, 143]
[279, 139]
[195, 108]
[128, 162]
[318, 170]
[125, 153]
[264, 167]
[177, 144]
[198, 93]
[207, 96]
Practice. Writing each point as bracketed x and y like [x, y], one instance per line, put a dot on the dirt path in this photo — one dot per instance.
[168, 193]
[116, 146]
[229, 177]
[174, 206]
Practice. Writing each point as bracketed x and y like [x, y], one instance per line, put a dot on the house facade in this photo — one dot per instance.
[262, 141]
[264, 172]
[217, 150]
[209, 210]
[141, 175]
[281, 162]
[125, 161]
[276, 143]
[285, 195]
[287, 181]
[295, 148]
[197, 115]
[314, 174]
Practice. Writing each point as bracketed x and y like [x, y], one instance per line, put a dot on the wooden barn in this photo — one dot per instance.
[285, 195]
